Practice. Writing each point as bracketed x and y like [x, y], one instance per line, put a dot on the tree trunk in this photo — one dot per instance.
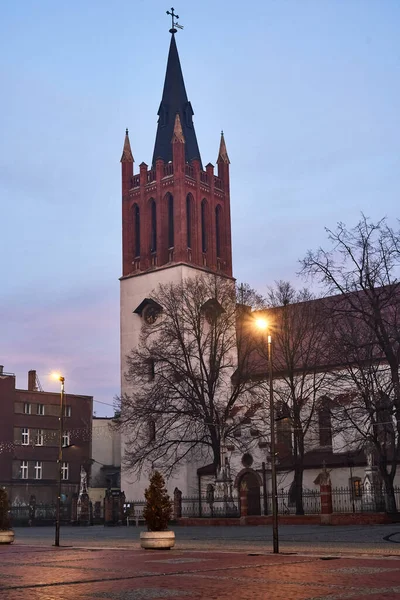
[298, 486]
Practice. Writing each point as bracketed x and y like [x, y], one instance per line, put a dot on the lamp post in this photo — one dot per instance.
[262, 324]
[59, 462]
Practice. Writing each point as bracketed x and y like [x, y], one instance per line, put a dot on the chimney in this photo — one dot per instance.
[32, 381]
[1, 369]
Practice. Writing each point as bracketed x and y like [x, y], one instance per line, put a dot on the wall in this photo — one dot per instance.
[106, 451]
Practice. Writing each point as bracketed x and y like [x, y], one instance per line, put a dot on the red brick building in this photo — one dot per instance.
[29, 437]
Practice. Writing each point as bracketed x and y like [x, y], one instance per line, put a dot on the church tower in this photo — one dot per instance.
[175, 214]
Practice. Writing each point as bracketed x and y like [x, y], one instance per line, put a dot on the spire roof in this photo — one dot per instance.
[174, 102]
[222, 154]
[127, 155]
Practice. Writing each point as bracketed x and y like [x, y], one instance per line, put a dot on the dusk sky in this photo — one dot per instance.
[306, 91]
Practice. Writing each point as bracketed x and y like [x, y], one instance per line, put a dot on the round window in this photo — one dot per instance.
[247, 460]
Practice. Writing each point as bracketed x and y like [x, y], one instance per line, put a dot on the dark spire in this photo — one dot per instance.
[174, 101]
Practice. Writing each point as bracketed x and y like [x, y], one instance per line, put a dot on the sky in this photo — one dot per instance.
[306, 91]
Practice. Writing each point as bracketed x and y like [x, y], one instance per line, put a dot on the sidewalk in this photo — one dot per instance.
[66, 573]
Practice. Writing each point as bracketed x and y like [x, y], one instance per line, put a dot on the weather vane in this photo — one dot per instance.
[174, 23]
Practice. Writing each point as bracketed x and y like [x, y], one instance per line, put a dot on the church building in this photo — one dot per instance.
[176, 219]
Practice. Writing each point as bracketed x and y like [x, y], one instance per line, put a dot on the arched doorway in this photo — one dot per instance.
[253, 492]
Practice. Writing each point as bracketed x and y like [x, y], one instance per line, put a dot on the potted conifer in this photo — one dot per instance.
[6, 533]
[157, 513]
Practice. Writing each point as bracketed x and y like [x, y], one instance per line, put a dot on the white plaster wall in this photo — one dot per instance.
[106, 445]
[133, 291]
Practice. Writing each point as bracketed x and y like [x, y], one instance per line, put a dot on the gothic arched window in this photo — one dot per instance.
[218, 230]
[153, 234]
[189, 221]
[170, 221]
[136, 225]
[152, 430]
[204, 226]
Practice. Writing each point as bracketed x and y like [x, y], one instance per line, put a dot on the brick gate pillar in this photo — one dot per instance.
[326, 497]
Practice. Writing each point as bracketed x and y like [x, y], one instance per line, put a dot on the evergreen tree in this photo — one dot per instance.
[158, 509]
[4, 511]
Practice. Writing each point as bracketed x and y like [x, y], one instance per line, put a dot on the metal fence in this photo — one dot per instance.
[360, 500]
[41, 514]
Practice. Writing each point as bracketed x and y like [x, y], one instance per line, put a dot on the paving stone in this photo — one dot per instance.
[143, 594]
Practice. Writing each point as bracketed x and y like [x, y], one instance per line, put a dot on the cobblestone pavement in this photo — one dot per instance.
[40, 573]
[366, 539]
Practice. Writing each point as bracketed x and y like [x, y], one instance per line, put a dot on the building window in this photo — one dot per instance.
[38, 469]
[136, 217]
[24, 469]
[40, 409]
[170, 221]
[39, 437]
[25, 436]
[152, 431]
[356, 487]
[65, 471]
[325, 427]
[203, 226]
[67, 410]
[65, 439]
[189, 221]
[27, 408]
[152, 369]
[153, 237]
[218, 230]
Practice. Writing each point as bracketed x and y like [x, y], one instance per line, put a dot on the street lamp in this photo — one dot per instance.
[61, 379]
[262, 324]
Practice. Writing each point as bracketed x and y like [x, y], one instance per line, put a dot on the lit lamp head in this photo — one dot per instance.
[58, 377]
[261, 323]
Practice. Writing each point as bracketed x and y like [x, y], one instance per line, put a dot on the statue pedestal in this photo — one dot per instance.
[83, 509]
[372, 497]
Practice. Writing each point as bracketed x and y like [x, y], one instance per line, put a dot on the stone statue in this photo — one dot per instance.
[83, 484]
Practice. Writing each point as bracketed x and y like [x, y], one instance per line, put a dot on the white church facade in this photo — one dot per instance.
[176, 225]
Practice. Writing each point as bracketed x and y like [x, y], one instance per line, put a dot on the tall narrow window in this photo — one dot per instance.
[170, 221]
[39, 437]
[40, 409]
[38, 469]
[203, 226]
[189, 221]
[153, 238]
[152, 369]
[152, 431]
[66, 439]
[64, 471]
[25, 436]
[325, 427]
[27, 408]
[136, 217]
[24, 469]
[218, 230]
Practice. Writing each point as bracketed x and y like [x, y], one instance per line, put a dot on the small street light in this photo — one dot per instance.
[61, 379]
[262, 324]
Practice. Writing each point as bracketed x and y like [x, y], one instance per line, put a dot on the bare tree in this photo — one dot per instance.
[362, 267]
[300, 348]
[188, 374]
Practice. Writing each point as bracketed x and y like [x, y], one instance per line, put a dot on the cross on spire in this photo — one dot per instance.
[174, 23]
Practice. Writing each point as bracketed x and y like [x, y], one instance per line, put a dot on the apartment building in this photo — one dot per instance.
[29, 438]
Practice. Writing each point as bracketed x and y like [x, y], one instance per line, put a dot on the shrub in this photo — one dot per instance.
[158, 509]
[4, 511]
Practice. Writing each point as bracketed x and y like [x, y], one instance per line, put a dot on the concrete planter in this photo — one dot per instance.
[157, 540]
[6, 537]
